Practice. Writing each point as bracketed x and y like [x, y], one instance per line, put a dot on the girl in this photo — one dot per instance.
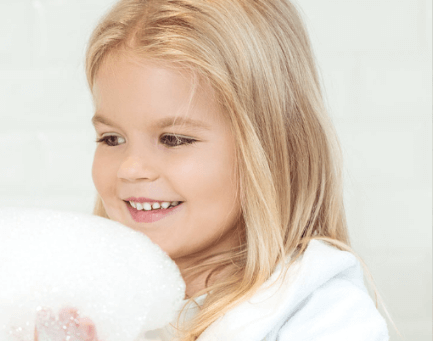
[213, 140]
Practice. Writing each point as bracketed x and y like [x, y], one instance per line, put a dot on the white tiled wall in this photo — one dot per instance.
[375, 59]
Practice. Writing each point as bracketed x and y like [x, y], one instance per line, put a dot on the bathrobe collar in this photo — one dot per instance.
[271, 307]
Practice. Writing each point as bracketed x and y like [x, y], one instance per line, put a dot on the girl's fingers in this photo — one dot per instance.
[44, 318]
[46, 326]
[65, 313]
[67, 323]
[68, 317]
[84, 327]
[87, 328]
[44, 315]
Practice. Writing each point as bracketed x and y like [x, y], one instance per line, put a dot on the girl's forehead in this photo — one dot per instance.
[139, 69]
[129, 73]
[126, 77]
[114, 61]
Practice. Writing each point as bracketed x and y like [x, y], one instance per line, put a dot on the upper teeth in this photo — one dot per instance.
[147, 206]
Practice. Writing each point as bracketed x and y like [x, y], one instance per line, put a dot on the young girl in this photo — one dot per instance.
[213, 140]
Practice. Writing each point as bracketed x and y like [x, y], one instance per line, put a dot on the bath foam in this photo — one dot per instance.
[112, 274]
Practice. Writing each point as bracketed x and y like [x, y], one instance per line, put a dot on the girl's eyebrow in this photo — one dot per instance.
[98, 119]
[163, 123]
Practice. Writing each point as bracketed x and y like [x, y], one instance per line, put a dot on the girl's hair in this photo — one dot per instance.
[257, 57]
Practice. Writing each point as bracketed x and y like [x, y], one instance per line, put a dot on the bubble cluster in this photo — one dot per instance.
[113, 275]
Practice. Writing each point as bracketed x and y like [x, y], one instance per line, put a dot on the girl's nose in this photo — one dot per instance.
[135, 168]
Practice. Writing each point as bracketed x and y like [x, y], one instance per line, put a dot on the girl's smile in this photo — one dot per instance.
[159, 139]
[152, 213]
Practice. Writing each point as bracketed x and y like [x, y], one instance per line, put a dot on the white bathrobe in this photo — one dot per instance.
[323, 298]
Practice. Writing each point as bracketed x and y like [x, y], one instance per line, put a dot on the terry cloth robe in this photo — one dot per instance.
[322, 298]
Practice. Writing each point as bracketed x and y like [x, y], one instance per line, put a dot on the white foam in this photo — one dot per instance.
[114, 275]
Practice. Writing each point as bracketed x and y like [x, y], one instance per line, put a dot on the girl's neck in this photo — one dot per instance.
[197, 282]
[195, 285]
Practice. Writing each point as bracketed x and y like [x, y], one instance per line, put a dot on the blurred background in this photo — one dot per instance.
[375, 62]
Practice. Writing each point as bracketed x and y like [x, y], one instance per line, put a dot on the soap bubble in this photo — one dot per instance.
[112, 274]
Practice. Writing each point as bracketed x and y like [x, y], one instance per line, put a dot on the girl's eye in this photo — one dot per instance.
[111, 140]
[175, 140]
[169, 140]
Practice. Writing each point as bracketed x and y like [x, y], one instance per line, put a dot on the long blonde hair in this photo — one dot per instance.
[258, 59]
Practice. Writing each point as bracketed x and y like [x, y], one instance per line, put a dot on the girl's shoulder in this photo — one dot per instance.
[333, 302]
[322, 297]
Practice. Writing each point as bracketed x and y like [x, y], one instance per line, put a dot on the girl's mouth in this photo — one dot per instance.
[155, 214]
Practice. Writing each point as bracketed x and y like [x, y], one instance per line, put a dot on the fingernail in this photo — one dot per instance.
[43, 316]
[88, 330]
[68, 315]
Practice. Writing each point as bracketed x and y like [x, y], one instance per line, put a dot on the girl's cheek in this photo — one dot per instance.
[98, 175]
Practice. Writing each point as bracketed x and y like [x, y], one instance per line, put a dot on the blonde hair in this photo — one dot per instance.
[258, 59]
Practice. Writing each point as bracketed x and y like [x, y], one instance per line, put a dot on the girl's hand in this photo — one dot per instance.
[66, 327]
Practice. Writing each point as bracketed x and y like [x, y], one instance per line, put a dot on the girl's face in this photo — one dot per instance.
[139, 158]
